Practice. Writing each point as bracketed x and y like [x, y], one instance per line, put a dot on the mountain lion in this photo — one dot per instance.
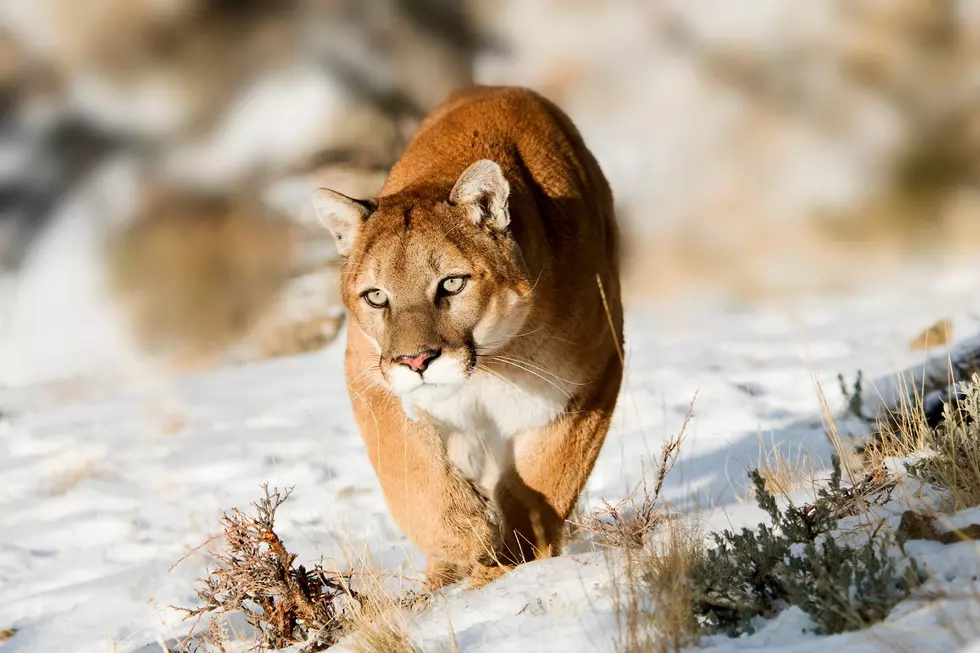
[484, 346]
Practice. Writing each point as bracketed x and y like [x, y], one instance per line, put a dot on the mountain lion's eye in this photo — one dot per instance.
[375, 298]
[452, 285]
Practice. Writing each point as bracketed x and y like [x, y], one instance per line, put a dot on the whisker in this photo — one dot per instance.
[532, 372]
[522, 335]
[364, 373]
[516, 387]
[563, 411]
[537, 367]
[535, 284]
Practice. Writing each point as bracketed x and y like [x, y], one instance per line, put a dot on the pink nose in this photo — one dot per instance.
[418, 362]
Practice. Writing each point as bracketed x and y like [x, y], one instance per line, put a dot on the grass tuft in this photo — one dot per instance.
[655, 605]
[627, 524]
[954, 460]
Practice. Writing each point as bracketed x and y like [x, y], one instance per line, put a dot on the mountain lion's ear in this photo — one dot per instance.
[482, 186]
[342, 215]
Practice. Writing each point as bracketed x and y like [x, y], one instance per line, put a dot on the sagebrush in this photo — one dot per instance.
[796, 561]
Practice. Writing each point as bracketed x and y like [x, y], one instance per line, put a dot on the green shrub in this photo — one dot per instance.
[795, 561]
[854, 396]
[845, 588]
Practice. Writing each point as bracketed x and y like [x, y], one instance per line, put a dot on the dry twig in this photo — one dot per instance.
[255, 575]
[627, 522]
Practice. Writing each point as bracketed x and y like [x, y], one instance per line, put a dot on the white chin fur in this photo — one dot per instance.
[403, 380]
[439, 382]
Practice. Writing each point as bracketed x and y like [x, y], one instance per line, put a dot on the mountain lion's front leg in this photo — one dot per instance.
[550, 469]
[443, 513]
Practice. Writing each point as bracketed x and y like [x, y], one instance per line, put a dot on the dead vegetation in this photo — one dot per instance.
[376, 621]
[287, 603]
[933, 425]
[624, 524]
[654, 598]
[782, 470]
[676, 586]
[382, 635]
[627, 523]
[937, 335]
[952, 449]
[256, 576]
[679, 587]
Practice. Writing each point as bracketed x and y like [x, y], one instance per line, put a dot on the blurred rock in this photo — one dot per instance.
[57, 321]
[161, 153]
[307, 316]
[195, 270]
[288, 120]
[937, 335]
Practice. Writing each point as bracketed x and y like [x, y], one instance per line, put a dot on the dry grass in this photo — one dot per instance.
[383, 636]
[902, 430]
[949, 453]
[654, 602]
[375, 622]
[955, 463]
[784, 475]
[654, 597]
[782, 472]
[627, 523]
[903, 435]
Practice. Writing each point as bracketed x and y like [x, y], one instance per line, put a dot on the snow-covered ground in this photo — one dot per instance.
[104, 489]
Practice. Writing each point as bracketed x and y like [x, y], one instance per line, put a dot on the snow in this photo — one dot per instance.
[104, 488]
[56, 321]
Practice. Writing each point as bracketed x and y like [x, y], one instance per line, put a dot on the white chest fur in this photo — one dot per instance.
[481, 421]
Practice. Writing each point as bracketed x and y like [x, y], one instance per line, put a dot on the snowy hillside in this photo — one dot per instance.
[754, 149]
[104, 490]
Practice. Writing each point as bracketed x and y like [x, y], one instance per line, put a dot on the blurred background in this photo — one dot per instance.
[157, 156]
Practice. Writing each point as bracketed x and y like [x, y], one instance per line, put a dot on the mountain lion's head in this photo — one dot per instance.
[433, 277]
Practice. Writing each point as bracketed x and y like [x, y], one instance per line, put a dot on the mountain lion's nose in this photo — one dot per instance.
[418, 362]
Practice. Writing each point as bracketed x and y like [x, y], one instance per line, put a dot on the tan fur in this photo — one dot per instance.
[535, 343]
